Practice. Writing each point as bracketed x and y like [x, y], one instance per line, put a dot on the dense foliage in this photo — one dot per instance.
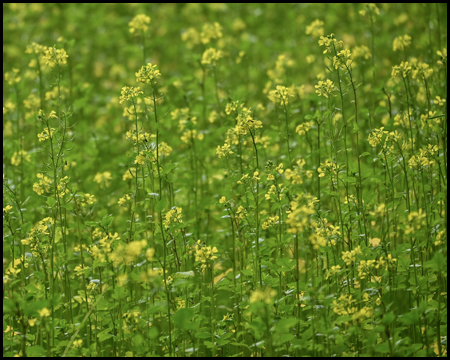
[225, 180]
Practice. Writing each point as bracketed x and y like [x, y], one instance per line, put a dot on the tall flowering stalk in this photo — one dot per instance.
[148, 75]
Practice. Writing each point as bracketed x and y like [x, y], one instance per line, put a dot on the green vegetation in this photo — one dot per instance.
[224, 180]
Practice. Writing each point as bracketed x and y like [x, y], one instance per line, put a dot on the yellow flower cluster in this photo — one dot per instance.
[233, 107]
[18, 156]
[343, 59]
[103, 179]
[210, 31]
[302, 129]
[278, 73]
[173, 216]
[376, 136]
[401, 70]
[147, 74]
[317, 240]
[35, 236]
[127, 253]
[281, 94]
[298, 217]
[425, 157]
[211, 56]
[271, 221]
[441, 237]
[295, 175]
[62, 186]
[369, 8]
[267, 295]
[246, 123]
[12, 77]
[87, 199]
[205, 254]
[53, 57]
[43, 185]
[189, 135]
[35, 48]
[276, 191]
[328, 167]
[241, 213]
[325, 88]
[390, 261]
[138, 137]
[422, 70]
[362, 51]
[416, 219]
[328, 41]
[349, 257]
[129, 93]
[100, 252]
[443, 57]
[364, 268]
[401, 42]
[223, 150]
[46, 134]
[139, 22]
[123, 200]
[333, 271]
[129, 174]
[315, 29]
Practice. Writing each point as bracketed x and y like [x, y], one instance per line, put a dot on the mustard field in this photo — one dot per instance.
[211, 180]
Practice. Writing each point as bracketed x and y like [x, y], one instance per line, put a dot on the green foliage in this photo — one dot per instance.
[224, 180]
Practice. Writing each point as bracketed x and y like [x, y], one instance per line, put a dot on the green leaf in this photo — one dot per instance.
[410, 318]
[203, 335]
[161, 205]
[35, 351]
[51, 201]
[104, 335]
[185, 273]
[388, 318]
[106, 221]
[137, 340]
[364, 154]
[153, 333]
[183, 317]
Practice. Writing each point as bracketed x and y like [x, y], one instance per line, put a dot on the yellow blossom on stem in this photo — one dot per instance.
[139, 22]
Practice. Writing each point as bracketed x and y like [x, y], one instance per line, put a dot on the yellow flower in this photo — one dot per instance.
[12, 76]
[267, 295]
[315, 29]
[147, 73]
[401, 70]
[375, 242]
[77, 343]
[439, 101]
[139, 22]
[53, 57]
[6, 209]
[103, 179]
[129, 93]
[223, 200]
[44, 312]
[210, 56]
[46, 134]
[325, 88]
[401, 42]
